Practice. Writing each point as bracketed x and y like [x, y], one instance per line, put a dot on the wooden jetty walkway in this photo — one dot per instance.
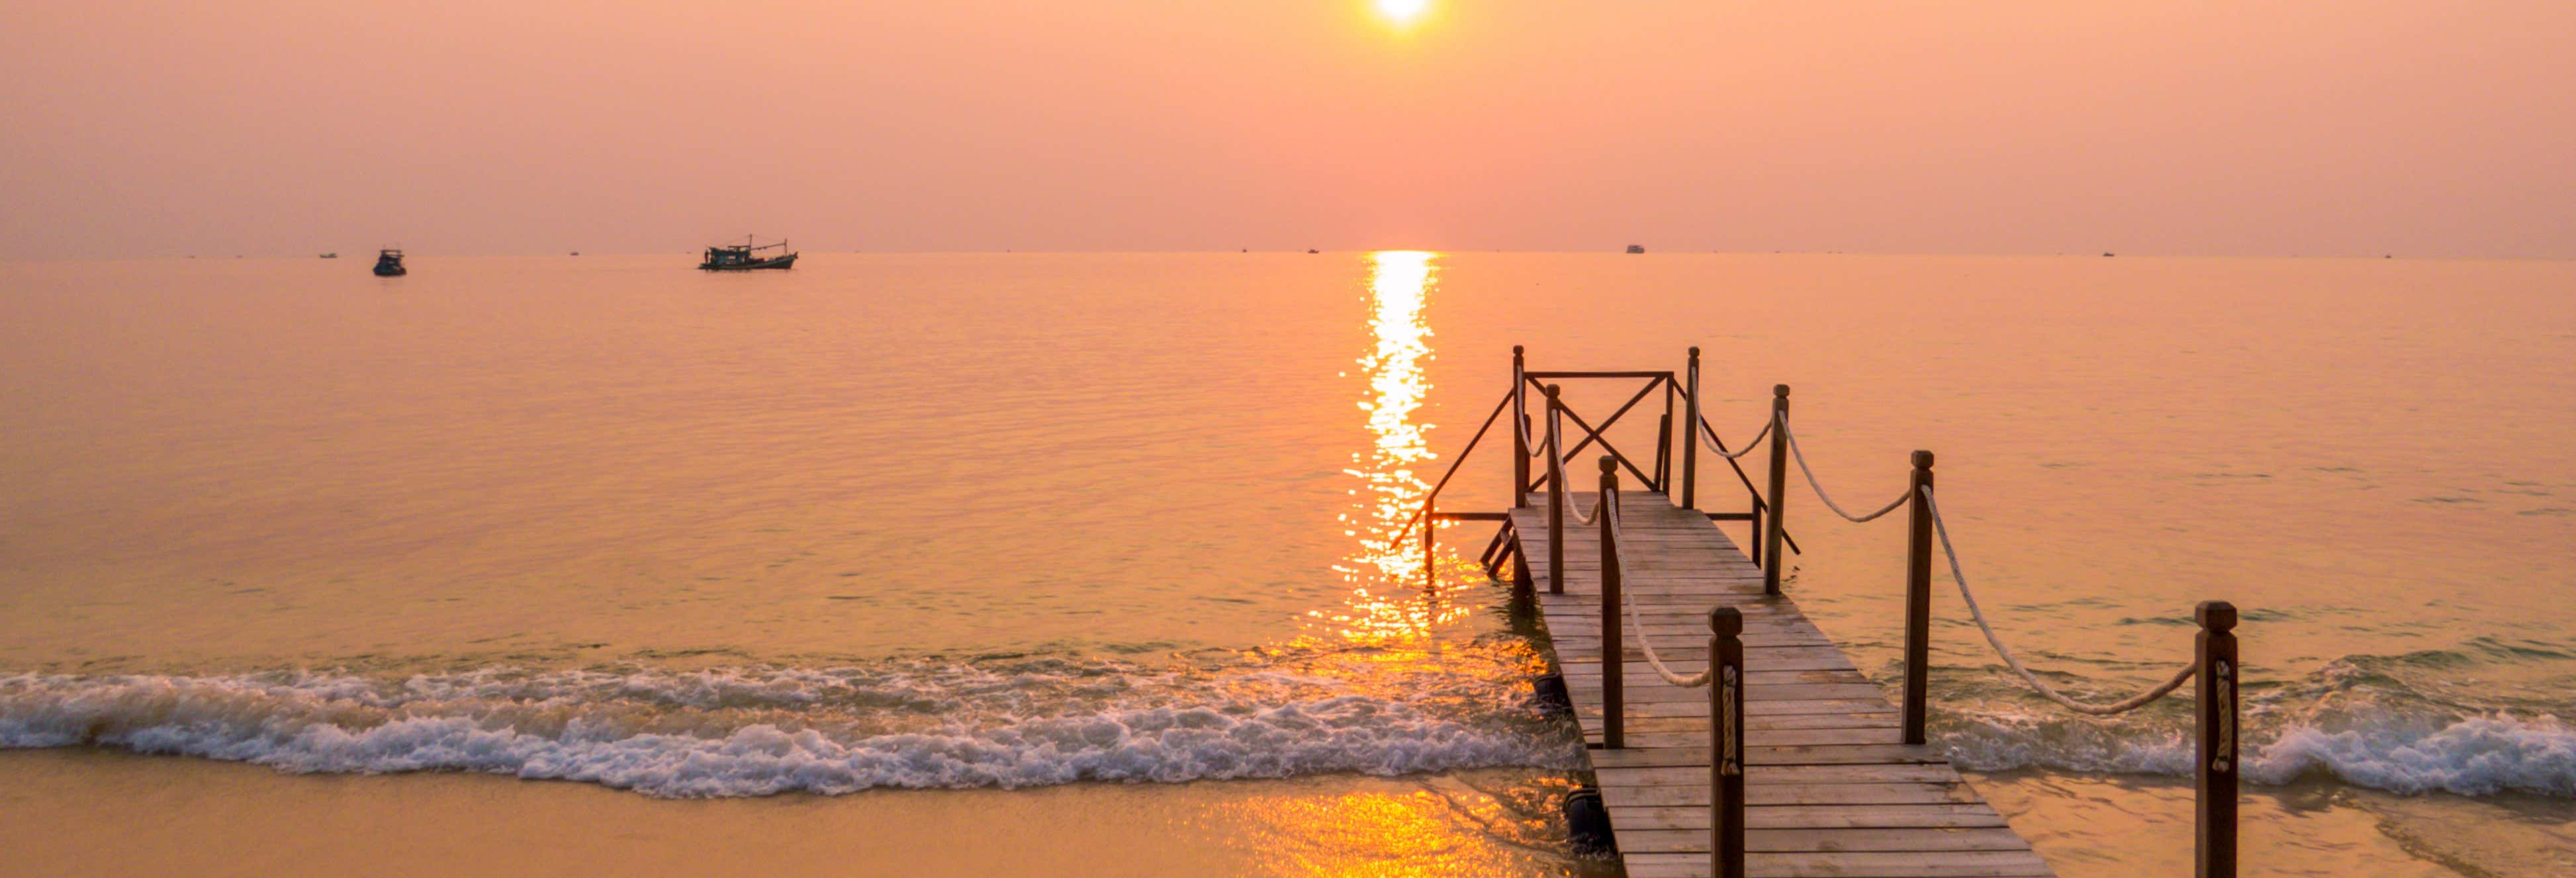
[1830, 788]
[1728, 736]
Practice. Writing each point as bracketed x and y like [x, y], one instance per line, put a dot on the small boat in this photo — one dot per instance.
[389, 264]
[746, 256]
[330, 255]
[1636, 248]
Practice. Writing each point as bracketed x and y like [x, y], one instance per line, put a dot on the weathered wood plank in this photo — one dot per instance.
[1830, 754]
[1911, 864]
[1816, 816]
[1795, 794]
[1641, 841]
[1829, 790]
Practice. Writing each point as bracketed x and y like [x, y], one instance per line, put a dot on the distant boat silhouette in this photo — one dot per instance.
[1311, 250]
[1636, 248]
[746, 256]
[330, 255]
[389, 264]
[2106, 254]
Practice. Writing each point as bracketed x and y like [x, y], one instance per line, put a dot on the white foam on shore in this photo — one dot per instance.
[2477, 755]
[2472, 756]
[765, 731]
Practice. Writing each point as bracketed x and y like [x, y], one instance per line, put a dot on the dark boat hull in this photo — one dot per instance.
[787, 261]
[390, 271]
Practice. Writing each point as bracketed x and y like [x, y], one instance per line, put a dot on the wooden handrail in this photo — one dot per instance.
[1428, 499]
[1756, 495]
[1592, 433]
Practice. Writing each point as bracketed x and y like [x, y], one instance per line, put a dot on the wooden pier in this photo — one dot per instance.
[1758, 749]
[1830, 787]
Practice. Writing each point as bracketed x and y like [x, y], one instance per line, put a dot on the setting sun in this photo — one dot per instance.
[1403, 11]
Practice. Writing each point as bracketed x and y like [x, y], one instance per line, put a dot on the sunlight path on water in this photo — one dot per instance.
[1392, 471]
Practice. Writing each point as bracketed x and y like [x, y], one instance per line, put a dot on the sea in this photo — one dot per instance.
[1093, 564]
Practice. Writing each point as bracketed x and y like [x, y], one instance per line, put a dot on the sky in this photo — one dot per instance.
[2294, 127]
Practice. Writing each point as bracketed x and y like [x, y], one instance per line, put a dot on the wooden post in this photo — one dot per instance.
[1520, 431]
[1663, 455]
[1613, 710]
[2214, 848]
[1690, 436]
[1757, 532]
[1918, 598]
[1664, 450]
[1726, 742]
[1555, 500]
[1771, 553]
[1430, 571]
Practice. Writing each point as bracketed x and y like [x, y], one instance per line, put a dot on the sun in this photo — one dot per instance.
[1403, 11]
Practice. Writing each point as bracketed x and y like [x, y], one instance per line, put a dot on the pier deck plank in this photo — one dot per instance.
[1829, 788]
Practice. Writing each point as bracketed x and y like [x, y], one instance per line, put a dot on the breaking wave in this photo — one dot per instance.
[2356, 723]
[760, 731]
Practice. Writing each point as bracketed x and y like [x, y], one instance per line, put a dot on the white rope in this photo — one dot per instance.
[1901, 497]
[1756, 442]
[1521, 426]
[2140, 700]
[1619, 547]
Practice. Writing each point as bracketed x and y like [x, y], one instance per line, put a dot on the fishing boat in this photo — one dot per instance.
[1636, 248]
[747, 256]
[389, 264]
[333, 255]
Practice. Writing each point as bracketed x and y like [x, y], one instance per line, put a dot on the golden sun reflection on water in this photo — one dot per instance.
[1390, 603]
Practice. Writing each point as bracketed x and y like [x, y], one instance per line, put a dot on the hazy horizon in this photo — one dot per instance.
[271, 128]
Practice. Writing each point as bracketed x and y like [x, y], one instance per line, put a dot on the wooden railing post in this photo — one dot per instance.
[1757, 531]
[1520, 430]
[1613, 670]
[1663, 456]
[1726, 742]
[1555, 499]
[2214, 848]
[1774, 559]
[1430, 571]
[1690, 436]
[1918, 598]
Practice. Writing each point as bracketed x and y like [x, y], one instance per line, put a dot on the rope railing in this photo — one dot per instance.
[1619, 547]
[1819, 487]
[1720, 445]
[1969, 597]
[2214, 666]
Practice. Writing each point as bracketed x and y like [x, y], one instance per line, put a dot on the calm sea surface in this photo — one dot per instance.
[1085, 564]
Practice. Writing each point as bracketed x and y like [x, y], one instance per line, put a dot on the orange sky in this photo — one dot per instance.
[499, 126]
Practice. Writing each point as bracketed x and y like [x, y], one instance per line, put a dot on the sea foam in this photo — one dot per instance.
[2396, 751]
[744, 732]
[762, 730]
